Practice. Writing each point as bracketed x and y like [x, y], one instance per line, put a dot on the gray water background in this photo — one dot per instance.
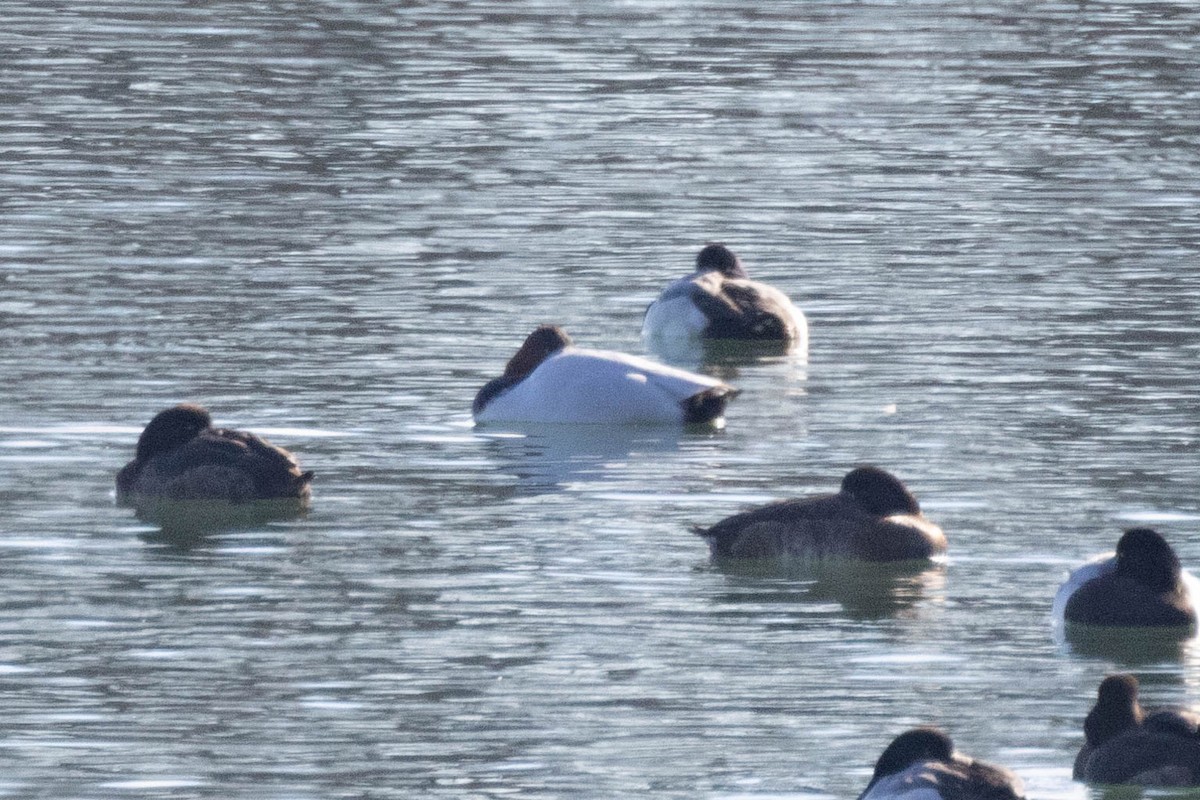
[331, 222]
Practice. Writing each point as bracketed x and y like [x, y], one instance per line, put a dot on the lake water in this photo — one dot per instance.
[331, 222]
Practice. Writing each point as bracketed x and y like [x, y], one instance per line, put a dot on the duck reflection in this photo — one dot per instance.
[188, 523]
[865, 591]
[546, 458]
[723, 358]
[1130, 647]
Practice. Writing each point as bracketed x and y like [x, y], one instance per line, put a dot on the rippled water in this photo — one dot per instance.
[333, 221]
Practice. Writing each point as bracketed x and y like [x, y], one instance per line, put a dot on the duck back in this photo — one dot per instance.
[1142, 756]
[220, 464]
[739, 308]
[1115, 600]
[959, 779]
[604, 387]
[829, 526]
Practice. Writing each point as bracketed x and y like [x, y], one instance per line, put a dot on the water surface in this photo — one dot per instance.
[333, 221]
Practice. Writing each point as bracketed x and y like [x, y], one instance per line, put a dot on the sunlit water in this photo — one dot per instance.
[332, 222]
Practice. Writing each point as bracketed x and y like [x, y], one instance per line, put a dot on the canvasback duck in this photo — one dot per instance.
[873, 518]
[180, 456]
[1140, 585]
[1126, 744]
[719, 301]
[921, 764]
[549, 380]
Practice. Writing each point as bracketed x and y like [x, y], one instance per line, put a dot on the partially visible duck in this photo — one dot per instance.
[719, 301]
[1141, 585]
[549, 380]
[1126, 744]
[873, 518]
[180, 456]
[921, 764]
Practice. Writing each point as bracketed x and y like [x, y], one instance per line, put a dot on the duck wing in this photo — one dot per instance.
[1176, 720]
[1145, 757]
[1114, 599]
[276, 471]
[738, 308]
[960, 779]
[224, 465]
[762, 531]
[979, 780]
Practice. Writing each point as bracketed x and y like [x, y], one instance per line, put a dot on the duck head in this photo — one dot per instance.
[1144, 555]
[171, 428]
[1116, 709]
[544, 342]
[912, 747]
[879, 492]
[716, 256]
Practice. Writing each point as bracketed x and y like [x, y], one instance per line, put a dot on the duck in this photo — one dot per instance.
[1125, 744]
[873, 517]
[181, 456]
[1141, 585]
[921, 764]
[550, 380]
[719, 301]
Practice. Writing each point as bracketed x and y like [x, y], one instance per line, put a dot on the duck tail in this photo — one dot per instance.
[708, 405]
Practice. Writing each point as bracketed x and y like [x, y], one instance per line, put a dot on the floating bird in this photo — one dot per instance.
[549, 380]
[719, 301]
[921, 764]
[873, 518]
[181, 457]
[1141, 585]
[1126, 744]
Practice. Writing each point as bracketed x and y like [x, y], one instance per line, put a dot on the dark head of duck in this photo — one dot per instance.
[718, 257]
[911, 747]
[879, 492]
[1116, 709]
[172, 428]
[544, 342]
[1144, 555]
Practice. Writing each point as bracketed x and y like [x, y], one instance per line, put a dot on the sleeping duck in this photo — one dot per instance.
[181, 457]
[874, 517]
[921, 764]
[719, 301]
[1126, 744]
[1141, 585]
[549, 380]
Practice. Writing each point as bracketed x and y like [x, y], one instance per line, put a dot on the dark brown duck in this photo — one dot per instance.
[874, 517]
[180, 456]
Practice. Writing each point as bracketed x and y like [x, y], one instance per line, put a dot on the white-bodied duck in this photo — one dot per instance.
[549, 380]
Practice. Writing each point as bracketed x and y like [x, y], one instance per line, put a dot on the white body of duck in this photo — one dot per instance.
[1140, 585]
[551, 381]
[921, 764]
[720, 302]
